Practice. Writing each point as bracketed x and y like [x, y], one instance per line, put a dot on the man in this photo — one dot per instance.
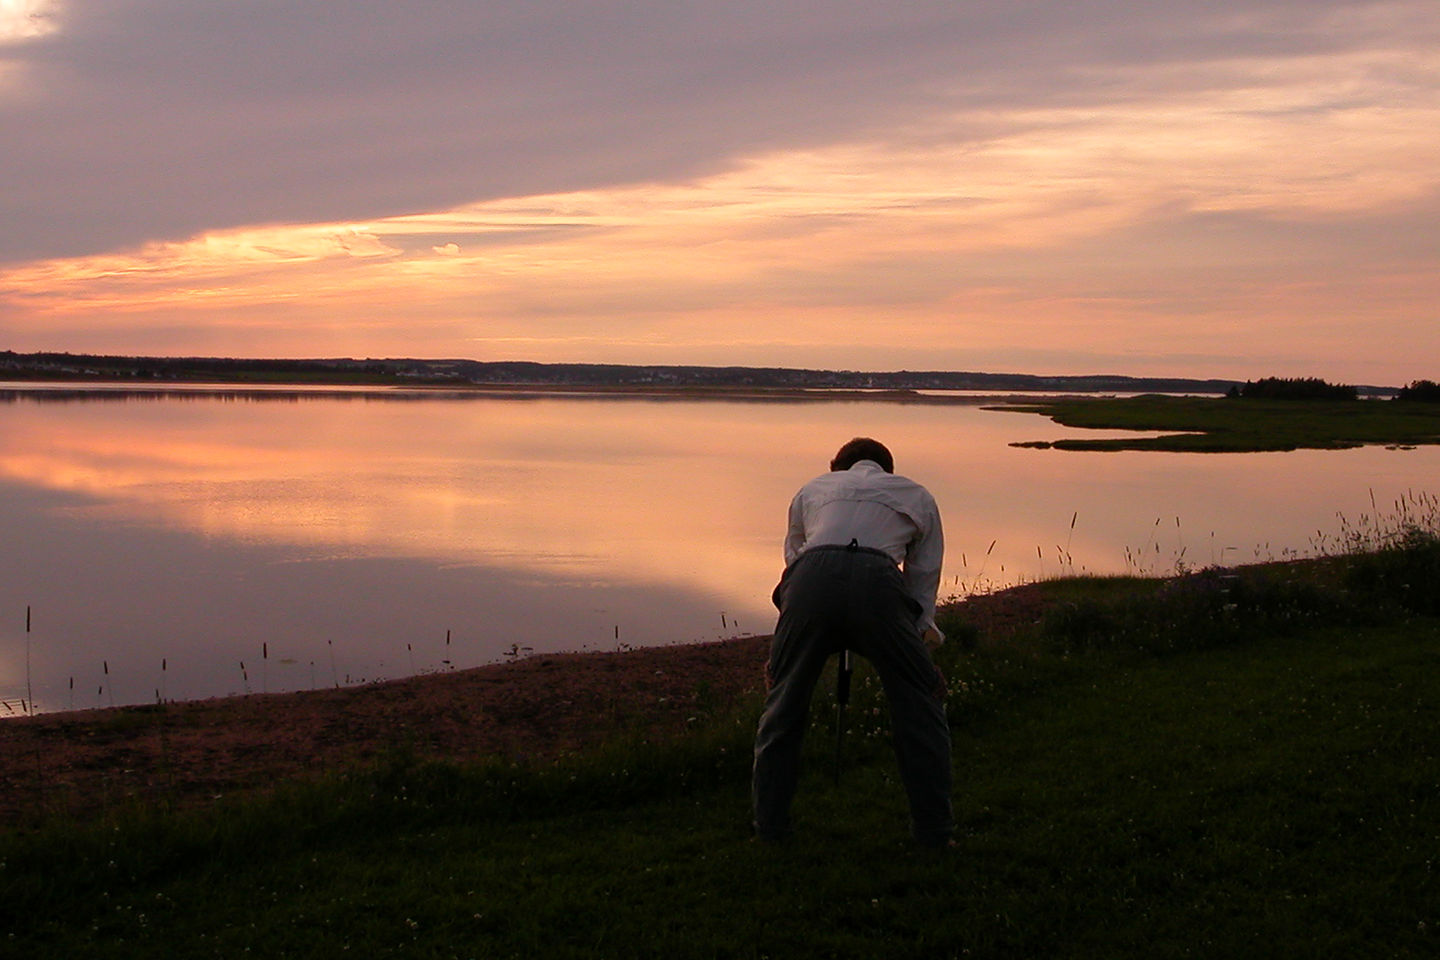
[862, 568]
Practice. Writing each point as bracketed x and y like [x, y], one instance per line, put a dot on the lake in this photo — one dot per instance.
[181, 544]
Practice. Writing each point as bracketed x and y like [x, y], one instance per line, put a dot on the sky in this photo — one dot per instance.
[1227, 188]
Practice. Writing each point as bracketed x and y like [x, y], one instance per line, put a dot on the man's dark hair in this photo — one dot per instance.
[863, 448]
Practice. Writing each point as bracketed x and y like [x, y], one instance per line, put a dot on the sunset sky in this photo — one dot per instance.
[1227, 188]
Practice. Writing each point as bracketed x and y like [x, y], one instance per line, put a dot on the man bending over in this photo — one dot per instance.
[862, 568]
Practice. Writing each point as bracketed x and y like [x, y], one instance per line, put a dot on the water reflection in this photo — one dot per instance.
[322, 541]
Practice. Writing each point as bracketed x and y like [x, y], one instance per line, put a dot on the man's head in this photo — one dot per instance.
[863, 448]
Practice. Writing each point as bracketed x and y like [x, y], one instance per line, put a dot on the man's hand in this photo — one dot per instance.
[932, 639]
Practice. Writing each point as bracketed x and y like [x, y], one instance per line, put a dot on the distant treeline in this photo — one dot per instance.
[1293, 388]
[1313, 388]
[95, 366]
[70, 366]
[1427, 391]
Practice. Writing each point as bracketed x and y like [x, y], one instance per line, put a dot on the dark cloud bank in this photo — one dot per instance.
[157, 119]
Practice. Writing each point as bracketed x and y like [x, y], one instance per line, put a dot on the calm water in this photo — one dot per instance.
[196, 545]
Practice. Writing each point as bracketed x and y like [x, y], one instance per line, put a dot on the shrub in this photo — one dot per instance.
[1402, 573]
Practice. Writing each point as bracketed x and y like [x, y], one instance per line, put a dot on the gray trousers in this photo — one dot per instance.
[839, 598]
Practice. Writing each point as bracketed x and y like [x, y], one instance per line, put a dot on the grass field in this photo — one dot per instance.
[1224, 425]
[1235, 763]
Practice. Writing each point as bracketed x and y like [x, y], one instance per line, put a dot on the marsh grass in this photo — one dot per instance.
[1381, 567]
[1131, 783]
[1208, 425]
[1394, 556]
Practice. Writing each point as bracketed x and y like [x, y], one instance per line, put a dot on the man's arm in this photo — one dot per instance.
[795, 531]
[923, 560]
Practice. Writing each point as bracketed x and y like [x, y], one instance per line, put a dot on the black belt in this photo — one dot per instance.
[852, 547]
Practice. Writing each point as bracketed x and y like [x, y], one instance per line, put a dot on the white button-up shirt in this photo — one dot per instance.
[879, 510]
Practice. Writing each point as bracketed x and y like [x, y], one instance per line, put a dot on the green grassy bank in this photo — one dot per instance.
[1226, 425]
[1233, 763]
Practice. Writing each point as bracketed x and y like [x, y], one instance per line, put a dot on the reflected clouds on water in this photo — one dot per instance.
[347, 532]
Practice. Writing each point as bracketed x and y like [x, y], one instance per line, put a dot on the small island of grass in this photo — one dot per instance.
[1239, 424]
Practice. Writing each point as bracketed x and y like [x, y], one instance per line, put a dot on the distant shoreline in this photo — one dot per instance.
[63, 389]
[508, 374]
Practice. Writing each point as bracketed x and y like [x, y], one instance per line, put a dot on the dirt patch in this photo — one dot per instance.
[86, 762]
